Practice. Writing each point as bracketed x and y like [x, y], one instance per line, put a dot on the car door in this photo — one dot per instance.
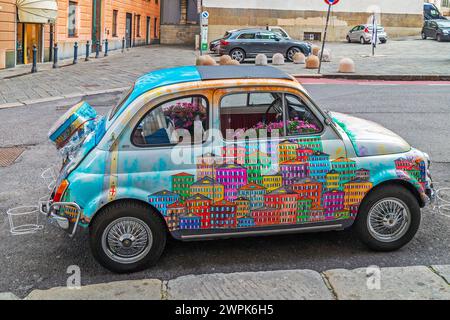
[352, 33]
[290, 153]
[433, 29]
[266, 43]
[246, 41]
[167, 139]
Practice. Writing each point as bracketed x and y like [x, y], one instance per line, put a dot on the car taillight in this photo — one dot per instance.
[224, 43]
[60, 191]
[366, 30]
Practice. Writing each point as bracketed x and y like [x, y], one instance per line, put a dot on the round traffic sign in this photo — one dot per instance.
[331, 2]
[205, 14]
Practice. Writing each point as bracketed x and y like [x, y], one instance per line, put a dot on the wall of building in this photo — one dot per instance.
[179, 23]
[7, 33]
[401, 18]
[144, 8]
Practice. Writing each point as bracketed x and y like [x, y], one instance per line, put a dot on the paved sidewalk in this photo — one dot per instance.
[119, 70]
[407, 283]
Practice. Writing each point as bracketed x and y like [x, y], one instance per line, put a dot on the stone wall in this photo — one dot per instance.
[296, 23]
[179, 34]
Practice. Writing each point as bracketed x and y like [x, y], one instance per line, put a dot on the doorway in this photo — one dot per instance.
[128, 29]
[28, 34]
[147, 32]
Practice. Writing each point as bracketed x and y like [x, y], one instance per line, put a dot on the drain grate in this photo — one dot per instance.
[9, 155]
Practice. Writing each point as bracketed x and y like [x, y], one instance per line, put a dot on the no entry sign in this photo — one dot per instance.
[331, 2]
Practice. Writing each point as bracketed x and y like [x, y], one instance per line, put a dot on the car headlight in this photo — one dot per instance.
[445, 31]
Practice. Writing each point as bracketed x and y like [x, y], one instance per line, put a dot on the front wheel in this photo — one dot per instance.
[348, 39]
[439, 38]
[238, 55]
[362, 41]
[127, 237]
[424, 36]
[291, 53]
[388, 218]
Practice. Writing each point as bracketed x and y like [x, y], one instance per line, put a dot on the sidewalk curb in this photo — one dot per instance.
[23, 103]
[416, 282]
[380, 77]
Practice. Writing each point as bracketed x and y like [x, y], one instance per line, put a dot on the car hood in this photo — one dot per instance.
[369, 138]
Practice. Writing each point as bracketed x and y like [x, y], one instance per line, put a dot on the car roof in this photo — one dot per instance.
[171, 76]
[166, 77]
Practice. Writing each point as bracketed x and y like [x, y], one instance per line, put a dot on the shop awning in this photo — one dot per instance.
[37, 11]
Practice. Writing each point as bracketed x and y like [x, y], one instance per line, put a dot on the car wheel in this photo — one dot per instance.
[127, 237]
[348, 39]
[439, 38]
[383, 41]
[388, 218]
[291, 52]
[238, 55]
[362, 41]
[424, 36]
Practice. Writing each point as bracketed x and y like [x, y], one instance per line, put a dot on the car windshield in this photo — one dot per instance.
[444, 24]
[121, 102]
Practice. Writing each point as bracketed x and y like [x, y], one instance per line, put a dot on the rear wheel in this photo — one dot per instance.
[439, 38]
[238, 55]
[348, 39]
[424, 36]
[127, 237]
[388, 218]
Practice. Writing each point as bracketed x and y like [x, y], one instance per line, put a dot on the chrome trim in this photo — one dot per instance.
[48, 207]
[263, 232]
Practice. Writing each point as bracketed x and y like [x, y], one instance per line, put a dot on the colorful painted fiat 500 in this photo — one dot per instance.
[227, 151]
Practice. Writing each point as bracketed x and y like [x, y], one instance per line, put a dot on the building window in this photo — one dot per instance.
[72, 19]
[114, 23]
[138, 25]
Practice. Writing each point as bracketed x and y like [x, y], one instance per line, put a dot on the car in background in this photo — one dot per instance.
[431, 12]
[215, 44]
[248, 43]
[436, 29]
[363, 34]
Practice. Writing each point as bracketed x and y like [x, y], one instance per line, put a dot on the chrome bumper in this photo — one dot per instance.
[51, 209]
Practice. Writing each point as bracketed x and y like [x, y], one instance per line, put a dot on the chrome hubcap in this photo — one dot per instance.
[237, 55]
[127, 240]
[389, 220]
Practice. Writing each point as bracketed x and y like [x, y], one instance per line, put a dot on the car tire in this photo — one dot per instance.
[362, 41]
[424, 36]
[349, 40]
[384, 41]
[117, 249]
[439, 38]
[291, 52]
[238, 54]
[377, 226]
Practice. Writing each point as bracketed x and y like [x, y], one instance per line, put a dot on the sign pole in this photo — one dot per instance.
[324, 37]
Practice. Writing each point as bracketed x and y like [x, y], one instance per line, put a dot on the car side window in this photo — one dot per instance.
[266, 36]
[300, 119]
[240, 112]
[247, 36]
[181, 120]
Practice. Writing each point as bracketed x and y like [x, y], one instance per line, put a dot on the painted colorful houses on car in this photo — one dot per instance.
[308, 187]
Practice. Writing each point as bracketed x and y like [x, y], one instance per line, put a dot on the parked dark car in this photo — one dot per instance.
[215, 44]
[247, 43]
[431, 12]
[436, 29]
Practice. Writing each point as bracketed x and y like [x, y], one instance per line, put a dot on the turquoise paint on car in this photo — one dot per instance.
[203, 197]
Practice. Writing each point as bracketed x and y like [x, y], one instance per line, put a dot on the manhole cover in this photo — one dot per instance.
[9, 155]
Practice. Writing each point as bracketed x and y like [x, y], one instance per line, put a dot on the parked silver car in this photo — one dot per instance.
[247, 43]
[363, 34]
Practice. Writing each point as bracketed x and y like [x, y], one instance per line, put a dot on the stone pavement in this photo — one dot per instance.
[407, 283]
[119, 70]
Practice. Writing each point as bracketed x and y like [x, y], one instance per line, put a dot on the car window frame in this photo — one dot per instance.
[171, 145]
[314, 111]
[243, 33]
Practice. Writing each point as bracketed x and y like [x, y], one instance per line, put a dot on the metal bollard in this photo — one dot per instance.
[106, 47]
[34, 67]
[97, 49]
[123, 44]
[87, 51]
[55, 56]
[75, 53]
